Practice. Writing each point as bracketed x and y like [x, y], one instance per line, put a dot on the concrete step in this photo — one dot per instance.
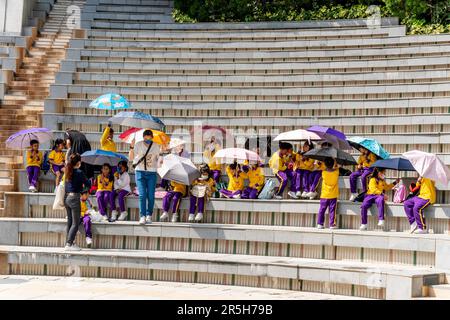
[439, 291]
[392, 282]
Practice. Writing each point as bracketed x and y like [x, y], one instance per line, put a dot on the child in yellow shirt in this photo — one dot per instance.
[202, 189]
[105, 193]
[375, 194]
[236, 182]
[303, 168]
[363, 170]
[214, 165]
[86, 205]
[255, 174]
[280, 164]
[34, 161]
[56, 158]
[414, 206]
[176, 193]
[106, 141]
[329, 193]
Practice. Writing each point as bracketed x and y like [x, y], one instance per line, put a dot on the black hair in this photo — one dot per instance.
[376, 172]
[106, 165]
[233, 166]
[34, 141]
[124, 164]
[84, 191]
[326, 144]
[111, 130]
[57, 143]
[329, 163]
[147, 133]
[204, 168]
[285, 145]
[309, 144]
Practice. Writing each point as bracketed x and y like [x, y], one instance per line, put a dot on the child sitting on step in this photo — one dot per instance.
[104, 194]
[236, 178]
[56, 158]
[255, 174]
[279, 164]
[303, 167]
[376, 194]
[363, 170]
[86, 206]
[329, 194]
[122, 188]
[176, 192]
[202, 189]
[34, 161]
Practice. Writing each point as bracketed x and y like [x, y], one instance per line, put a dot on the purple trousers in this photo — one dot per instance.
[120, 195]
[302, 180]
[249, 193]
[229, 193]
[103, 198]
[87, 224]
[196, 203]
[33, 175]
[370, 199]
[176, 197]
[283, 177]
[414, 211]
[331, 205]
[57, 168]
[216, 175]
[364, 174]
[314, 178]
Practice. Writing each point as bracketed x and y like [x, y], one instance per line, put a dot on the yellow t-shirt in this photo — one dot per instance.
[108, 186]
[330, 184]
[34, 162]
[427, 190]
[178, 187]
[277, 163]
[256, 178]
[378, 186]
[105, 143]
[84, 207]
[57, 157]
[213, 163]
[235, 183]
[306, 164]
[367, 161]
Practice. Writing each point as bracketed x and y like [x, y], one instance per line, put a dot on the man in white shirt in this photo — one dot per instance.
[146, 159]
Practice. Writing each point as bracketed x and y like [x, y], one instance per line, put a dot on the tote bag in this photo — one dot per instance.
[58, 203]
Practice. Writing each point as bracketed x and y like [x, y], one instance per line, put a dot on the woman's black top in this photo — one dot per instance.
[78, 182]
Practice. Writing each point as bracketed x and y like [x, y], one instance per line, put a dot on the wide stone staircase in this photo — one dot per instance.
[250, 78]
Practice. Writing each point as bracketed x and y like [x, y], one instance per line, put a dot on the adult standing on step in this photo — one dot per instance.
[146, 157]
[75, 181]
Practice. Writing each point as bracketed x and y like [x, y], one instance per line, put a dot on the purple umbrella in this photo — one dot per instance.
[21, 139]
[335, 137]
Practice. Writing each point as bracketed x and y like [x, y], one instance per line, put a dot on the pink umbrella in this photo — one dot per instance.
[428, 165]
[229, 155]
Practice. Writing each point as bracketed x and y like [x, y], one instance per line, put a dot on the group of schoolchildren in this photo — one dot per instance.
[303, 175]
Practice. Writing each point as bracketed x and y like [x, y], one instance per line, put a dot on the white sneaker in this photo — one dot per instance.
[309, 194]
[88, 242]
[73, 247]
[142, 220]
[278, 197]
[292, 195]
[334, 227]
[363, 227]
[312, 195]
[381, 223]
[114, 214]
[32, 189]
[353, 197]
[319, 226]
[413, 227]
[123, 216]
[164, 216]
[304, 194]
[104, 218]
[191, 217]
[148, 219]
[199, 216]
[298, 194]
[421, 231]
[221, 195]
[237, 196]
[174, 217]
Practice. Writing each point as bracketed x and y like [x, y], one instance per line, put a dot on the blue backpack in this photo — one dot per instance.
[45, 166]
[268, 190]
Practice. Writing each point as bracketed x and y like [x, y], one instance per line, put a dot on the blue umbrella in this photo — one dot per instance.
[370, 144]
[110, 101]
[100, 157]
[138, 120]
[399, 164]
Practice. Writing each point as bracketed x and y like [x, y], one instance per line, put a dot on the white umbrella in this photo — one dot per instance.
[297, 135]
[178, 169]
[428, 165]
[229, 155]
[175, 142]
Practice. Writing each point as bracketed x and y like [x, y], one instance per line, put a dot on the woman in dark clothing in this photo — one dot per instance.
[75, 181]
[78, 143]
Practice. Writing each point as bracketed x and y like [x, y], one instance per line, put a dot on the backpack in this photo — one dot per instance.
[45, 165]
[219, 186]
[400, 193]
[268, 190]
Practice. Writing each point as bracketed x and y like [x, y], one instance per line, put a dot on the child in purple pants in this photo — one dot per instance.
[329, 194]
[122, 188]
[202, 188]
[105, 193]
[34, 161]
[175, 194]
[86, 205]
